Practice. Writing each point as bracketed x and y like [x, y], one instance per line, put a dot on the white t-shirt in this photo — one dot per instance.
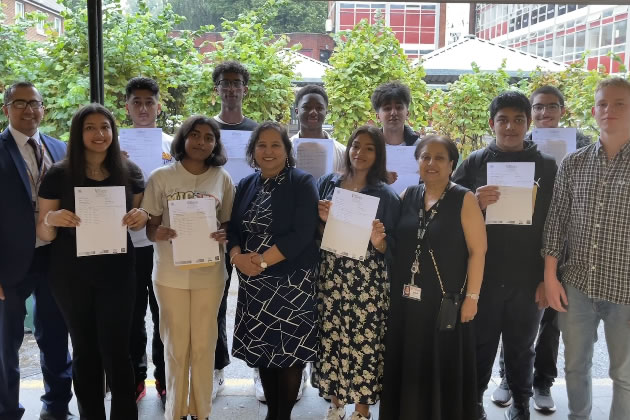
[339, 158]
[174, 182]
[139, 237]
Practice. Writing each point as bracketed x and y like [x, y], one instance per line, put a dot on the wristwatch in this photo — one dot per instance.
[263, 264]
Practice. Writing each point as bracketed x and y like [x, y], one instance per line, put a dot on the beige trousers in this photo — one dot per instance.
[188, 328]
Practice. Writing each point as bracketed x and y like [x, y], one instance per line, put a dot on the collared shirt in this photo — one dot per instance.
[32, 170]
[590, 210]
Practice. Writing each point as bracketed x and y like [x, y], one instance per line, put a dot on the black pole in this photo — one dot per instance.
[95, 50]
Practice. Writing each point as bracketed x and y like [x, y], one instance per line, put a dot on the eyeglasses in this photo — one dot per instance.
[230, 83]
[22, 104]
[549, 107]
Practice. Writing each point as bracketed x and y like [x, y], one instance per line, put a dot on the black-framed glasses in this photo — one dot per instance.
[230, 83]
[549, 107]
[22, 104]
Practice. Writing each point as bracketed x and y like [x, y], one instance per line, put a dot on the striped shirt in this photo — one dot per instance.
[590, 211]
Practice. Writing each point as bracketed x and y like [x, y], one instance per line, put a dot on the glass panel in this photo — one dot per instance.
[580, 38]
[558, 45]
[548, 47]
[606, 35]
[620, 32]
[592, 38]
[569, 46]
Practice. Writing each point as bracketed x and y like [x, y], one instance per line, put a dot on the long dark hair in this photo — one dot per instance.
[178, 146]
[378, 171]
[74, 162]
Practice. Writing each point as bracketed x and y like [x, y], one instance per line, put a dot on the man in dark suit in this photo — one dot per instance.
[25, 155]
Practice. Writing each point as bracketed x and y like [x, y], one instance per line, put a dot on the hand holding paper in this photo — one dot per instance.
[349, 226]
[194, 221]
[516, 183]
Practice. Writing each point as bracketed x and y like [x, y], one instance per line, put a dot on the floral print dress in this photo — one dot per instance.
[353, 302]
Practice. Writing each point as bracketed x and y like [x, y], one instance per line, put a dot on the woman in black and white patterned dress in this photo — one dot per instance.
[271, 241]
[353, 295]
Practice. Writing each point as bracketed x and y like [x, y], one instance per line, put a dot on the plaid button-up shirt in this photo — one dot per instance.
[590, 212]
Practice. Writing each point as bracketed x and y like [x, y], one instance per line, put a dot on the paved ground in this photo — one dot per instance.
[237, 401]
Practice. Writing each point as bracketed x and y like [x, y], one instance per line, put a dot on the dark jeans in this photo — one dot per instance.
[510, 313]
[99, 321]
[51, 336]
[222, 353]
[138, 340]
[545, 363]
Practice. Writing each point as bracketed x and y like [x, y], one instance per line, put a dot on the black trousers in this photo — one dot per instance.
[138, 340]
[546, 360]
[99, 322]
[51, 336]
[222, 353]
[512, 313]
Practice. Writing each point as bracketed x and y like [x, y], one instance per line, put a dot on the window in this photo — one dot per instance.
[57, 25]
[534, 16]
[39, 27]
[562, 9]
[592, 38]
[570, 44]
[548, 47]
[19, 9]
[580, 38]
[551, 11]
[607, 34]
[619, 34]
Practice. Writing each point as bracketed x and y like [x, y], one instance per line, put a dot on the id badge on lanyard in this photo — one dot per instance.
[410, 290]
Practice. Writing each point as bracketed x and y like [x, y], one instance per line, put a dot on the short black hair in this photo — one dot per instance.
[451, 147]
[8, 94]
[178, 146]
[308, 89]
[230, 66]
[392, 91]
[253, 139]
[142, 83]
[548, 90]
[378, 171]
[511, 99]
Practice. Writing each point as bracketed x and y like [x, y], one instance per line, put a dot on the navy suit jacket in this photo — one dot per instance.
[295, 219]
[17, 220]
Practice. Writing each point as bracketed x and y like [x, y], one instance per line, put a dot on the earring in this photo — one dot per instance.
[287, 161]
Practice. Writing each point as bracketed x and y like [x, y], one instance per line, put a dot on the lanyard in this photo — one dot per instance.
[423, 226]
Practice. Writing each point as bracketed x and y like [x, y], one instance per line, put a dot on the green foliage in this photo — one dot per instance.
[249, 40]
[15, 44]
[461, 112]
[133, 45]
[364, 58]
[578, 87]
[296, 15]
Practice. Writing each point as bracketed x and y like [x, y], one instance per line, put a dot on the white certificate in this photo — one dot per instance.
[194, 220]
[349, 224]
[144, 147]
[314, 156]
[101, 210]
[556, 142]
[516, 186]
[235, 143]
[400, 159]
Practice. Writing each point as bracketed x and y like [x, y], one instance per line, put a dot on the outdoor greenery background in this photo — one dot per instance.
[151, 38]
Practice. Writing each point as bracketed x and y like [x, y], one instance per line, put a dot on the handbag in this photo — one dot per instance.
[450, 305]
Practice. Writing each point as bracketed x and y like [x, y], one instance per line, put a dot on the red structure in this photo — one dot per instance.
[562, 32]
[419, 27]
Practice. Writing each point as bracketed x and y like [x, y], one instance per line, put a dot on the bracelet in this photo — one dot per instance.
[148, 215]
[474, 296]
[48, 225]
[232, 257]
